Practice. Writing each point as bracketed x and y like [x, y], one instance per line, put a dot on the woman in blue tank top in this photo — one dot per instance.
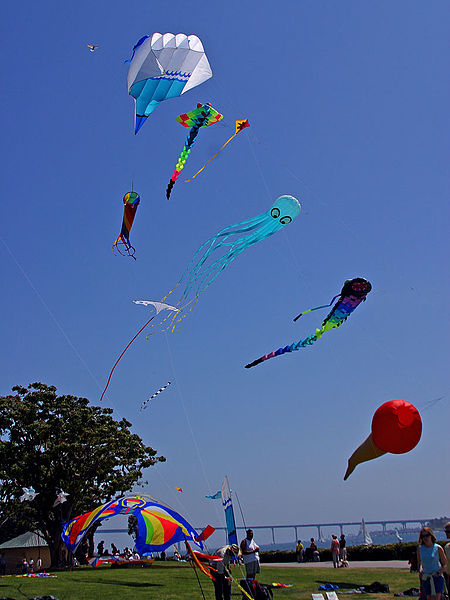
[432, 564]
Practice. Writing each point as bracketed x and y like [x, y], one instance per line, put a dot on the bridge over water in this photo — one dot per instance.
[400, 524]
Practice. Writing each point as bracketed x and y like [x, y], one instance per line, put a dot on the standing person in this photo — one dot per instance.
[114, 549]
[335, 547]
[2, 564]
[31, 566]
[222, 575]
[342, 548]
[299, 551]
[101, 548]
[24, 566]
[447, 554]
[432, 564]
[250, 554]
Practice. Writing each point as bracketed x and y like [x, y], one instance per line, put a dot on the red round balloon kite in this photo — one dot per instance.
[396, 428]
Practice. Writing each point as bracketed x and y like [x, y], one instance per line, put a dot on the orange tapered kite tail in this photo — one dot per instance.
[197, 563]
[240, 125]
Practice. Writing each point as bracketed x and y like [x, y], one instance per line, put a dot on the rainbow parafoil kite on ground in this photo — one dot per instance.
[131, 202]
[240, 125]
[164, 66]
[202, 116]
[396, 428]
[159, 526]
[352, 294]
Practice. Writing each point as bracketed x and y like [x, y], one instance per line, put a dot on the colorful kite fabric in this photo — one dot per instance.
[144, 404]
[179, 489]
[96, 561]
[159, 526]
[206, 533]
[131, 202]
[240, 125]
[92, 47]
[229, 512]
[215, 496]
[164, 66]
[203, 116]
[352, 294]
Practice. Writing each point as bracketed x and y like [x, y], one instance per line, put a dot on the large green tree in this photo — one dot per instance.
[53, 443]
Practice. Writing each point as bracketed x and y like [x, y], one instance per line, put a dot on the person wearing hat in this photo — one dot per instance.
[221, 573]
[250, 553]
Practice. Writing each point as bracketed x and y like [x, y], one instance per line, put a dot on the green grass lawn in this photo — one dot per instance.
[173, 581]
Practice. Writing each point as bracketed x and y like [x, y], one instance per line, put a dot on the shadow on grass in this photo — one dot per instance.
[136, 584]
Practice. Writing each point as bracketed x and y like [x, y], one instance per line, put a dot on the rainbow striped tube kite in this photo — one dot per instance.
[352, 294]
[131, 202]
[202, 116]
[159, 526]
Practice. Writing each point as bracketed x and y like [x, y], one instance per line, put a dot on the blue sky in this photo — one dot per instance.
[348, 106]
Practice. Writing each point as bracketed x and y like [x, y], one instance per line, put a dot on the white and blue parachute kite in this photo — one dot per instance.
[164, 66]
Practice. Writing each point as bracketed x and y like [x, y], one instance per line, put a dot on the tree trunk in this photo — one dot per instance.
[58, 553]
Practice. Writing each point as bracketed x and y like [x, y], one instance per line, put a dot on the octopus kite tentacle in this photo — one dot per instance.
[352, 294]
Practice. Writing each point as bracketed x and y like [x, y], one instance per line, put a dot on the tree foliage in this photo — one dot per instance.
[53, 443]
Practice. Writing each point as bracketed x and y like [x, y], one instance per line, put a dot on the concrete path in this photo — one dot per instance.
[367, 564]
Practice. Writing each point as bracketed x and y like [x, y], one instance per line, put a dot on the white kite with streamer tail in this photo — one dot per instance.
[144, 404]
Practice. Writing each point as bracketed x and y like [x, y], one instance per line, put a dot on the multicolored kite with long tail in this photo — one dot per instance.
[203, 116]
[131, 202]
[352, 294]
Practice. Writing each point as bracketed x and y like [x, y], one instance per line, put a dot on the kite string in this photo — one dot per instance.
[194, 441]
[123, 352]
[47, 308]
[259, 167]
[212, 157]
[240, 509]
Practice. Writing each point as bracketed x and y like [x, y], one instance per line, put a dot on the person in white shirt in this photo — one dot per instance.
[250, 554]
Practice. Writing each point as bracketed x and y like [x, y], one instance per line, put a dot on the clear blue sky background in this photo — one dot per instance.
[348, 105]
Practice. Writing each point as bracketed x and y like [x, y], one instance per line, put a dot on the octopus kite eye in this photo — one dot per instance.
[285, 220]
[275, 212]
